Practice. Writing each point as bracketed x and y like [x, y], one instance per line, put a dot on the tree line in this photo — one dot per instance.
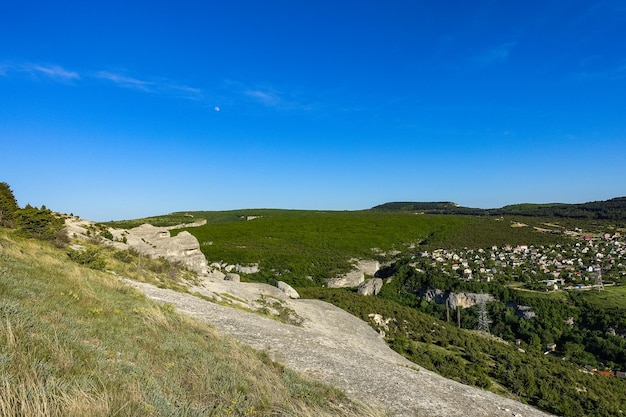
[39, 223]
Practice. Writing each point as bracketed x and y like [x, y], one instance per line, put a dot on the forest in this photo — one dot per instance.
[613, 209]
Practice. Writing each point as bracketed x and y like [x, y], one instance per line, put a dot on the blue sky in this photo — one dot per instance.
[111, 110]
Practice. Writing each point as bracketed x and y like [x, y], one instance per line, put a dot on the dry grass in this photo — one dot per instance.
[77, 342]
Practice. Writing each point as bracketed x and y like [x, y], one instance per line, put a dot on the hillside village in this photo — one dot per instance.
[550, 267]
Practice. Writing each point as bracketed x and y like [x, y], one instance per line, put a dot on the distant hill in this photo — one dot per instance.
[429, 207]
[613, 209]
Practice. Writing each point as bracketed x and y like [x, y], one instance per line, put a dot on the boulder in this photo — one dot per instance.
[216, 275]
[157, 242]
[349, 280]
[287, 289]
[370, 286]
[368, 267]
[231, 276]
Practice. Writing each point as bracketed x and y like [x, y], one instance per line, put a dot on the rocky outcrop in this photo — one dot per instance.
[186, 225]
[454, 300]
[231, 276]
[287, 289]
[370, 286]
[355, 277]
[250, 269]
[349, 280]
[157, 242]
[523, 312]
[367, 266]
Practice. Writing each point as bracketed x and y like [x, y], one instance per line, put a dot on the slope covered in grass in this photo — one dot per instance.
[75, 341]
[295, 244]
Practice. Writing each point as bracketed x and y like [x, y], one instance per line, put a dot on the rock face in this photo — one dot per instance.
[454, 300]
[370, 286]
[287, 289]
[157, 242]
[339, 349]
[368, 267]
[349, 280]
[355, 277]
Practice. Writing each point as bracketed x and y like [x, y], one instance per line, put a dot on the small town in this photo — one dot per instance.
[592, 261]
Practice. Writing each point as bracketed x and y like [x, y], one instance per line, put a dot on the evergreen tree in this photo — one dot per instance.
[39, 223]
[8, 206]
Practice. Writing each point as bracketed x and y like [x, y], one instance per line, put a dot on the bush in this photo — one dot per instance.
[40, 223]
[88, 257]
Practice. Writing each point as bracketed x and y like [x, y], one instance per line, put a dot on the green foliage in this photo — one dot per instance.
[40, 223]
[545, 381]
[8, 206]
[614, 209]
[105, 233]
[292, 245]
[89, 257]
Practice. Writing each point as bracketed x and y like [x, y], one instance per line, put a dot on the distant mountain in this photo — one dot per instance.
[613, 209]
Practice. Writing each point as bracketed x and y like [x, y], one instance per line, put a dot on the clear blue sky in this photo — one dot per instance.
[124, 109]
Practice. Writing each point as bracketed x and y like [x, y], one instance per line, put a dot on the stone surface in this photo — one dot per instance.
[231, 276]
[148, 240]
[368, 267]
[287, 289]
[454, 300]
[249, 269]
[349, 280]
[157, 242]
[338, 348]
[355, 277]
[370, 286]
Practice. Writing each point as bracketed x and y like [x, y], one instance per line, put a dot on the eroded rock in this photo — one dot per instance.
[370, 286]
[287, 289]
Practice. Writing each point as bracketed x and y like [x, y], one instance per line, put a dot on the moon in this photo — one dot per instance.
[216, 108]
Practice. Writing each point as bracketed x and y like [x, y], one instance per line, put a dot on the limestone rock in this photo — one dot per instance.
[157, 242]
[349, 280]
[251, 269]
[231, 276]
[287, 289]
[368, 267]
[370, 286]
[216, 275]
[454, 300]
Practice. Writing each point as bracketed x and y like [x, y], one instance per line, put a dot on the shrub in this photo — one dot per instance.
[88, 257]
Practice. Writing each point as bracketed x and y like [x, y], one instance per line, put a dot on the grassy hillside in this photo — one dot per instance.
[297, 244]
[76, 342]
[291, 245]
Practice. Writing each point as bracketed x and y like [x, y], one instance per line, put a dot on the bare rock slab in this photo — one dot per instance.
[287, 289]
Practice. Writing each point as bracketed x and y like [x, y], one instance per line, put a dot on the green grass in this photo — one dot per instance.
[297, 244]
[76, 341]
[612, 297]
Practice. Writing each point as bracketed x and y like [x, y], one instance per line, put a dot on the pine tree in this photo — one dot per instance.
[8, 206]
